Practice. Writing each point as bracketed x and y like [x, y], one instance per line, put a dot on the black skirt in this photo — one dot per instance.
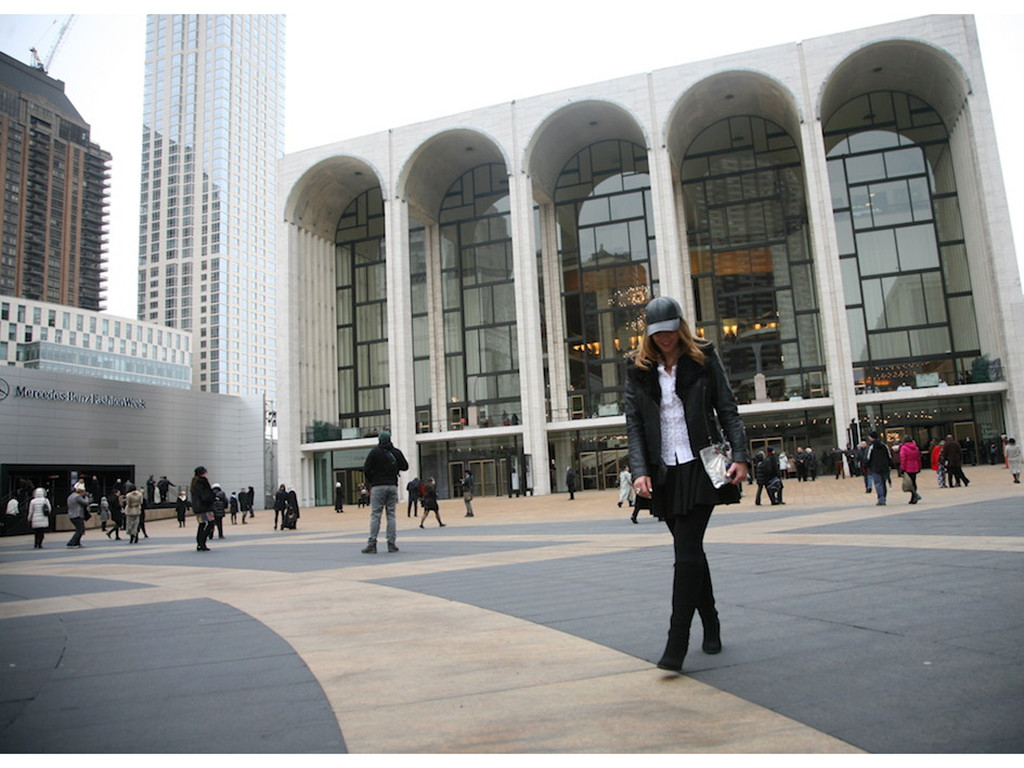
[687, 486]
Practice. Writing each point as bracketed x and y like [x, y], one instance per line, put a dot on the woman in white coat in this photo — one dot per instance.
[39, 515]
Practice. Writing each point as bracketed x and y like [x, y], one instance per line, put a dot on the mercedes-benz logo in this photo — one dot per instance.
[5, 389]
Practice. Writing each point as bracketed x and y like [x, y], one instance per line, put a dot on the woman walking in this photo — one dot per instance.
[428, 500]
[202, 506]
[675, 388]
[1014, 459]
[39, 515]
[133, 499]
[181, 507]
[910, 464]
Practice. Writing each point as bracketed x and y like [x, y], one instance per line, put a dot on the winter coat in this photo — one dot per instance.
[202, 497]
[705, 393]
[877, 458]
[39, 510]
[910, 457]
[383, 463]
[77, 505]
[951, 454]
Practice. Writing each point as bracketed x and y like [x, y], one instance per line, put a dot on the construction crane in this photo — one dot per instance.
[44, 64]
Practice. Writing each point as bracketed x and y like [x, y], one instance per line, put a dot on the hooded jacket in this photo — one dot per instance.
[705, 393]
[39, 509]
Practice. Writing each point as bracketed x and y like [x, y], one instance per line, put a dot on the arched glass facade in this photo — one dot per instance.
[361, 306]
[751, 265]
[906, 281]
[478, 299]
[605, 250]
[903, 283]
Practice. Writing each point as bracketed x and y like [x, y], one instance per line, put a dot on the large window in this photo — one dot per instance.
[361, 302]
[478, 298]
[606, 248]
[751, 265]
[906, 279]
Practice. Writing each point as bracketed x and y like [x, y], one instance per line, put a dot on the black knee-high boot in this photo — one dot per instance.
[685, 582]
[709, 615]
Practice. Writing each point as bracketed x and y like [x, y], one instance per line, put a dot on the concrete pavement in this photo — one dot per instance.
[529, 628]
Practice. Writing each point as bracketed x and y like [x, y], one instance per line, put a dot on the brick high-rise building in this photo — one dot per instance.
[55, 193]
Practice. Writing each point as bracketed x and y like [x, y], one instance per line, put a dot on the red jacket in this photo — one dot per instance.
[910, 457]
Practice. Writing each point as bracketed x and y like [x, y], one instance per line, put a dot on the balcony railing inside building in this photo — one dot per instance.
[758, 389]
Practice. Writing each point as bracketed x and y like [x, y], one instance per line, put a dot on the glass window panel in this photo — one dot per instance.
[370, 322]
[455, 377]
[344, 305]
[504, 303]
[807, 338]
[851, 281]
[627, 206]
[963, 323]
[844, 233]
[920, 199]
[860, 208]
[612, 239]
[932, 342]
[876, 252]
[866, 167]
[947, 216]
[894, 344]
[345, 346]
[594, 211]
[587, 248]
[346, 391]
[421, 374]
[904, 303]
[473, 312]
[904, 162]
[955, 268]
[452, 333]
[931, 283]
[868, 141]
[473, 362]
[917, 247]
[874, 304]
[803, 285]
[638, 240]
[890, 203]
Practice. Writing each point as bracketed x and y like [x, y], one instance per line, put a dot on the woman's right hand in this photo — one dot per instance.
[642, 485]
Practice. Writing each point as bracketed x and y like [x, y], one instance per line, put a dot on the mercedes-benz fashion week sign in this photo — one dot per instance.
[70, 396]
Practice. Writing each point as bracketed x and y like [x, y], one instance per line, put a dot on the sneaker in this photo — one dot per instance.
[369, 549]
[392, 547]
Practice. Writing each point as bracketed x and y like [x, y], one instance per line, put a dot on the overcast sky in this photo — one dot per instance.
[405, 62]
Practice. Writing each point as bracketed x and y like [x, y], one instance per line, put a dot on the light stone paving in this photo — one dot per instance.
[413, 673]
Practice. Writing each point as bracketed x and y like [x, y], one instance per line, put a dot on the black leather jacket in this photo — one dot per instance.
[704, 391]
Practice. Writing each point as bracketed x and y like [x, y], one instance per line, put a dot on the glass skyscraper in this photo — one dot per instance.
[213, 130]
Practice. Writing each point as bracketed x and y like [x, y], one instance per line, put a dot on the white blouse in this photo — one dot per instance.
[675, 438]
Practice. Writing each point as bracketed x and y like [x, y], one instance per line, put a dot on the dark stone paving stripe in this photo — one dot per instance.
[190, 676]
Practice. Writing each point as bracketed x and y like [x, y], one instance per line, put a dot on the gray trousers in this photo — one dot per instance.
[383, 498]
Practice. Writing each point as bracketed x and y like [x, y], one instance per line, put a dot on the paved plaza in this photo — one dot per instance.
[532, 627]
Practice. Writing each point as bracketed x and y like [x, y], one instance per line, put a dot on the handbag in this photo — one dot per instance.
[717, 458]
[908, 482]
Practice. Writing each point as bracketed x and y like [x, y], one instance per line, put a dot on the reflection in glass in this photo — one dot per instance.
[906, 278]
[606, 239]
[753, 284]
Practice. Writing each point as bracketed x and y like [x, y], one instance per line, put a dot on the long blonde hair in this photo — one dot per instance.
[648, 355]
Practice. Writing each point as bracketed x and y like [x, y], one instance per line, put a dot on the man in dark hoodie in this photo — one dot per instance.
[380, 471]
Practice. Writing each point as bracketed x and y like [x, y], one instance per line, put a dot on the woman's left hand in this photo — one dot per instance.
[738, 472]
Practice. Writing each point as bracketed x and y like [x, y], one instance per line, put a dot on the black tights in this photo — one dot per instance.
[691, 583]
